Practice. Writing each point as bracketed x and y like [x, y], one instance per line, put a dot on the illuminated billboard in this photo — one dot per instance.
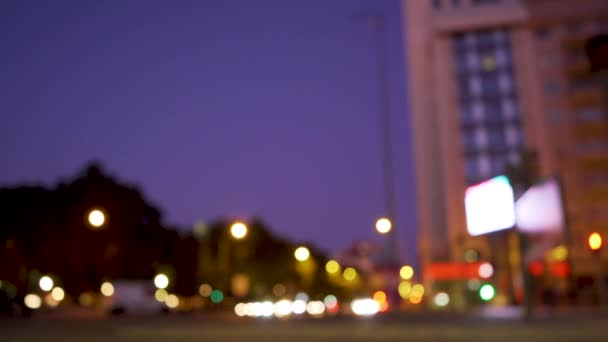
[540, 210]
[490, 206]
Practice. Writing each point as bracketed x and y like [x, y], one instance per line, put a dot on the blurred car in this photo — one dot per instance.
[135, 297]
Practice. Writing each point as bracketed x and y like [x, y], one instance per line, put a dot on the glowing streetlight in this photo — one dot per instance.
[107, 289]
[46, 283]
[96, 218]
[238, 230]
[58, 294]
[349, 274]
[406, 272]
[332, 267]
[302, 253]
[383, 225]
[161, 281]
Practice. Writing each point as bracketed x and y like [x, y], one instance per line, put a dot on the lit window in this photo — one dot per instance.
[488, 63]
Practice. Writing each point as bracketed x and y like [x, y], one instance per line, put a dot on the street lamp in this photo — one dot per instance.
[96, 218]
[302, 254]
[383, 225]
[161, 281]
[238, 230]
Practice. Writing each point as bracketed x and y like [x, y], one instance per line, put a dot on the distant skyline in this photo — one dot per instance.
[215, 109]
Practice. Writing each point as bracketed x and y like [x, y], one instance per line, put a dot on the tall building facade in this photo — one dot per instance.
[489, 80]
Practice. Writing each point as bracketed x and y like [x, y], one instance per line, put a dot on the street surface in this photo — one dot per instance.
[389, 328]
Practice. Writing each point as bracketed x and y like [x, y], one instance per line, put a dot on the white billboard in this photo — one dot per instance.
[490, 206]
[540, 210]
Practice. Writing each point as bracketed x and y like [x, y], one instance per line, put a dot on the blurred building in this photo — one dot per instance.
[488, 80]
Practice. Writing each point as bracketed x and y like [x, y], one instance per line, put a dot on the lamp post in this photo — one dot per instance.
[238, 231]
[377, 22]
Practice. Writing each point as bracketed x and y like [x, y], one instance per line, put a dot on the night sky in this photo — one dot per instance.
[214, 108]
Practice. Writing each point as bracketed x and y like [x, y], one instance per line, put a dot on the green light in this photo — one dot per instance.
[486, 292]
[217, 296]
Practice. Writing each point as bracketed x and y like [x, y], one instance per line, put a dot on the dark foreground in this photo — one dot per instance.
[394, 328]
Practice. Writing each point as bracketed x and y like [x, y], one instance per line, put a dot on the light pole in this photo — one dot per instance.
[238, 231]
[377, 22]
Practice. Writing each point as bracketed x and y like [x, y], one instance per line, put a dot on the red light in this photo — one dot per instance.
[536, 268]
[384, 307]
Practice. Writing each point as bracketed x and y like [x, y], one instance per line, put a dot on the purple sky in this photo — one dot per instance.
[215, 108]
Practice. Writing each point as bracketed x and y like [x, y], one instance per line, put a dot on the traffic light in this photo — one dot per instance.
[595, 242]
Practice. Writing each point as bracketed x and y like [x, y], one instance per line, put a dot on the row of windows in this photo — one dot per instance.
[489, 85]
[572, 28]
[503, 111]
[483, 166]
[440, 3]
[482, 138]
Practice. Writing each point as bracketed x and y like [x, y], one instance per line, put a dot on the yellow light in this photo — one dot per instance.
[172, 301]
[50, 301]
[383, 225]
[85, 299]
[559, 253]
[489, 63]
[161, 295]
[595, 241]
[415, 300]
[302, 253]
[96, 218]
[32, 301]
[332, 267]
[417, 291]
[107, 289]
[349, 274]
[380, 297]
[238, 230]
[406, 272]
[404, 289]
[46, 283]
[205, 290]
[58, 294]
[161, 281]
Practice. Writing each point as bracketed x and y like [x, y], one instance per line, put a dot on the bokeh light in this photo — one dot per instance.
[383, 225]
[406, 272]
[85, 299]
[267, 309]
[559, 253]
[238, 230]
[279, 290]
[46, 283]
[50, 301]
[487, 292]
[349, 274]
[161, 281]
[302, 253]
[205, 290]
[332, 267]
[96, 218]
[441, 299]
[161, 295]
[416, 294]
[107, 289]
[404, 289]
[298, 307]
[217, 296]
[365, 307]
[172, 301]
[473, 284]
[58, 294]
[32, 301]
[240, 309]
[379, 296]
[486, 270]
[282, 308]
[331, 303]
[595, 241]
[315, 308]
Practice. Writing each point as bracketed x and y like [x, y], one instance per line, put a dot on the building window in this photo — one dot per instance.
[543, 34]
[574, 27]
[488, 63]
[552, 87]
[589, 114]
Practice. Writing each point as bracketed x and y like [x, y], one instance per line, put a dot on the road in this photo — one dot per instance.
[202, 328]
